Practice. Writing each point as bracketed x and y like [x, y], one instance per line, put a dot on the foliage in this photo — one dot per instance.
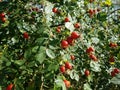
[32, 51]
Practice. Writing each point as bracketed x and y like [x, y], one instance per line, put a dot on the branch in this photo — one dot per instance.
[57, 25]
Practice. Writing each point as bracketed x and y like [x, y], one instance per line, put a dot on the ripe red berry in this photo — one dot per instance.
[25, 35]
[75, 35]
[62, 69]
[98, 9]
[94, 11]
[36, 9]
[116, 70]
[72, 57]
[33, 9]
[90, 49]
[68, 65]
[70, 40]
[58, 29]
[55, 10]
[111, 59]
[91, 1]
[87, 72]
[64, 44]
[91, 13]
[113, 73]
[67, 83]
[77, 25]
[9, 87]
[66, 19]
[3, 19]
[93, 57]
[2, 15]
[113, 45]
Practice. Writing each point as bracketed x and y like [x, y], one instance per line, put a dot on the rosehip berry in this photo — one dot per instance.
[70, 40]
[62, 69]
[113, 45]
[87, 72]
[55, 10]
[93, 57]
[2, 15]
[111, 59]
[58, 29]
[77, 25]
[25, 35]
[68, 65]
[72, 57]
[66, 19]
[67, 83]
[75, 35]
[3, 19]
[90, 49]
[64, 44]
[98, 9]
[113, 73]
[9, 87]
[91, 1]
[116, 70]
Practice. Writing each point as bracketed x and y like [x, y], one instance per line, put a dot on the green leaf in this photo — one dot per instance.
[102, 16]
[8, 63]
[116, 79]
[60, 83]
[69, 26]
[95, 40]
[87, 86]
[19, 62]
[74, 75]
[40, 57]
[50, 53]
[95, 66]
[0, 88]
[27, 53]
[35, 49]
[52, 67]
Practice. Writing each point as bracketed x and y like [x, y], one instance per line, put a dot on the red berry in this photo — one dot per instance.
[70, 40]
[9, 87]
[75, 35]
[33, 9]
[66, 19]
[93, 57]
[87, 72]
[77, 25]
[36, 9]
[67, 83]
[3, 19]
[2, 15]
[94, 11]
[68, 65]
[90, 49]
[58, 29]
[98, 9]
[91, 13]
[72, 57]
[113, 74]
[116, 70]
[91, 1]
[62, 69]
[113, 45]
[55, 10]
[111, 59]
[25, 35]
[64, 44]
